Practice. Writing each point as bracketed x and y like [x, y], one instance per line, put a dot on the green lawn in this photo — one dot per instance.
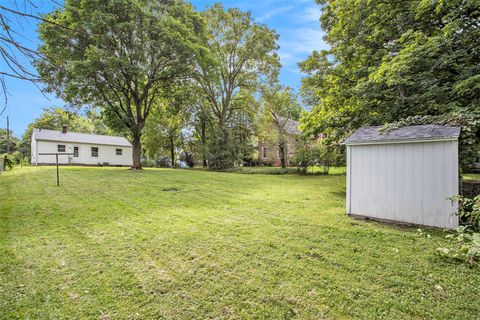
[186, 244]
[290, 170]
[471, 176]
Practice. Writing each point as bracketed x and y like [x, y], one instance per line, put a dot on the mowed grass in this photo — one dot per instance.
[471, 176]
[315, 170]
[110, 243]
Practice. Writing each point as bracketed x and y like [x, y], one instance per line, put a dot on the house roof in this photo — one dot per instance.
[291, 126]
[74, 137]
[368, 135]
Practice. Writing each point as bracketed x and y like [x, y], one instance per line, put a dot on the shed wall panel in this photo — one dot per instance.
[405, 182]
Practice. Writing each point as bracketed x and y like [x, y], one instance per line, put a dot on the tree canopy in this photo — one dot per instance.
[242, 53]
[119, 55]
[55, 118]
[390, 60]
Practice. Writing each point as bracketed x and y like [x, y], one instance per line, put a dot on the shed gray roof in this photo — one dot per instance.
[74, 137]
[407, 134]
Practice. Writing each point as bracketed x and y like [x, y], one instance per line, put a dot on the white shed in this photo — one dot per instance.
[405, 175]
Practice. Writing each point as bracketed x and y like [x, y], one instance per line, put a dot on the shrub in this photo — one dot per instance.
[8, 162]
[466, 246]
[322, 154]
[250, 162]
[303, 157]
[16, 157]
[327, 156]
[467, 237]
[163, 162]
[148, 163]
[24, 162]
[223, 152]
[468, 211]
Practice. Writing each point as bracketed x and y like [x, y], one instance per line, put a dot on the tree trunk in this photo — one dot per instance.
[172, 152]
[281, 147]
[137, 151]
[204, 142]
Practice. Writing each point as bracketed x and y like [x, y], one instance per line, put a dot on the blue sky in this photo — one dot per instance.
[296, 21]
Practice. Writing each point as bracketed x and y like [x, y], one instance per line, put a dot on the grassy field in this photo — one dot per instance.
[110, 243]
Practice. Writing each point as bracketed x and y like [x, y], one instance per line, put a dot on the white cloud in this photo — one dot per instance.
[273, 13]
[311, 14]
[305, 40]
[298, 44]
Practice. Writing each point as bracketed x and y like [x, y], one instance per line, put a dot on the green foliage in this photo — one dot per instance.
[149, 163]
[119, 55]
[390, 60]
[466, 246]
[466, 239]
[8, 162]
[165, 131]
[16, 157]
[469, 211]
[242, 55]
[224, 154]
[304, 157]
[469, 136]
[12, 142]
[54, 118]
[327, 156]
[322, 154]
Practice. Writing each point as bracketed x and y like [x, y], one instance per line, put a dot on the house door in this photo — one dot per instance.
[76, 155]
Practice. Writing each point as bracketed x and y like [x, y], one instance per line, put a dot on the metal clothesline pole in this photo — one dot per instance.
[56, 158]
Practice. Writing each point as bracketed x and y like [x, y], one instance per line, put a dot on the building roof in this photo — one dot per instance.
[74, 137]
[291, 126]
[367, 135]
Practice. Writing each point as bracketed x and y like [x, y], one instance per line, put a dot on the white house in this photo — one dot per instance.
[83, 149]
[406, 175]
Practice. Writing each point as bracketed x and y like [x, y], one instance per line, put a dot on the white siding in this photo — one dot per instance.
[106, 154]
[405, 182]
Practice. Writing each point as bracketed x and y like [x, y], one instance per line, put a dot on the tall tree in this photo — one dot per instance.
[8, 141]
[243, 53]
[202, 130]
[166, 129]
[390, 60]
[280, 108]
[119, 55]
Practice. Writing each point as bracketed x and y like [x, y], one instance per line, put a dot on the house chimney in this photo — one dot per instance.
[64, 129]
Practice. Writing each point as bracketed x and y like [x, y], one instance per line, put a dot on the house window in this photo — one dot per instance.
[75, 152]
[264, 153]
[118, 152]
[95, 152]
[61, 148]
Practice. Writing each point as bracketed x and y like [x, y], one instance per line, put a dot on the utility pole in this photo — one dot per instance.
[8, 136]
